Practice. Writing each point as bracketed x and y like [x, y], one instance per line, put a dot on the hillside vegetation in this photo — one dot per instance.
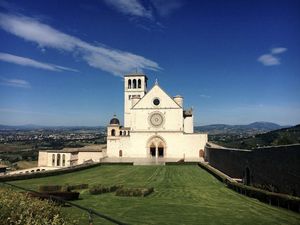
[20, 208]
[249, 129]
[182, 195]
[283, 136]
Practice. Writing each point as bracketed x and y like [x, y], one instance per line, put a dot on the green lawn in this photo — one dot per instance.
[183, 195]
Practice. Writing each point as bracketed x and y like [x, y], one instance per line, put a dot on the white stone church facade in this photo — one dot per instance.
[155, 125]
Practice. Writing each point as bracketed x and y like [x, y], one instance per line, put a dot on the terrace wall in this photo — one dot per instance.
[272, 168]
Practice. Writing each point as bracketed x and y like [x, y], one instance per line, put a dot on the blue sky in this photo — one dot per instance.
[235, 62]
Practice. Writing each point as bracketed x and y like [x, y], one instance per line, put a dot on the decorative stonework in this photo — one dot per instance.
[156, 119]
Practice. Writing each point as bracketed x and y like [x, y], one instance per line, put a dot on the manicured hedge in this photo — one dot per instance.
[134, 192]
[50, 188]
[60, 191]
[77, 187]
[100, 189]
[276, 199]
[47, 173]
[53, 188]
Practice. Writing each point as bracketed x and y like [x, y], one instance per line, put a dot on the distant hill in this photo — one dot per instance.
[21, 127]
[251, 129]
[284, 136]
[35, 127]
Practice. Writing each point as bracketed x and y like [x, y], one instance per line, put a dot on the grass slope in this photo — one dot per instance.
[183, 195]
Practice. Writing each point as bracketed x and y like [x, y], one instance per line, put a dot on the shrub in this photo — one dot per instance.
[50, 188]
[77, 187]
[100, 189]
[20, 208]
[64, 188]
[136, 192]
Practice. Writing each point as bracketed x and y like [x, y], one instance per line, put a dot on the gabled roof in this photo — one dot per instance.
[156, 92]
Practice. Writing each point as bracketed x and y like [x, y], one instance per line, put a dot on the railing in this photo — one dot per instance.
[91, 212]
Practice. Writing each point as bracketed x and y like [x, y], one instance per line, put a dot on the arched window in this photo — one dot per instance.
[139, 83]
[113, 132]
[128, 133]
[58, 160]
[120, 153]
[124, 133]
[53, 159]
[134, 83]
[120, 133]
[129, 84]
[63, 160]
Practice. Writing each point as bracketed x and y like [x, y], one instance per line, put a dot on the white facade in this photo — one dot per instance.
[155, 125]
[71, 156]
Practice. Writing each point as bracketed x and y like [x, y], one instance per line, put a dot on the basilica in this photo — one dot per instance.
[156, 128]
[155, 125]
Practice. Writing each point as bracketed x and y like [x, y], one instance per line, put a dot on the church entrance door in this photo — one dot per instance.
[160, 152]
[152, 151]
[156, 147]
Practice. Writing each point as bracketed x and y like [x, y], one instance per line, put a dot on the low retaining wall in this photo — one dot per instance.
[275, 199]
[31, 170]
[47, 172]
[273, 168]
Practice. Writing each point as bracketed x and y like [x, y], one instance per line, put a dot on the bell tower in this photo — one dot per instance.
[135, 87]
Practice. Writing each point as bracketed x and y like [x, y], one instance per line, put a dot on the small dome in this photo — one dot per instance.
[114, 120]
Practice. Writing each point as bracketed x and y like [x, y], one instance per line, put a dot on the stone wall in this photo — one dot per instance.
[272, 168]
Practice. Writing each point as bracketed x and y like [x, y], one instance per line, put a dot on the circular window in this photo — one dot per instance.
[156, 101]
[156, 119]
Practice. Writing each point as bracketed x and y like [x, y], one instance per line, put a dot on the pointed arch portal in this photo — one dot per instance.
[156, 147]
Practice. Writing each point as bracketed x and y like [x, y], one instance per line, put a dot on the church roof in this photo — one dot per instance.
[163, 92]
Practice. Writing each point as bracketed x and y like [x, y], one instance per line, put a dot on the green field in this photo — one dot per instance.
[183, 195]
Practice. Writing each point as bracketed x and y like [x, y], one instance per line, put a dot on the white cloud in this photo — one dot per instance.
[15, 83]
[32, 63]
[137, 7]
[111, 60]
[278, 50]
[166, 7]
[271, 59]
[130, 7]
